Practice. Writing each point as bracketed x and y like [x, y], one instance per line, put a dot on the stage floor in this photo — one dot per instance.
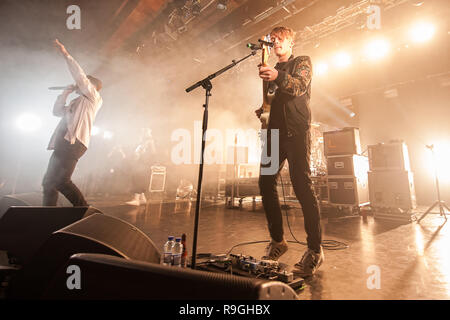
[384, 260]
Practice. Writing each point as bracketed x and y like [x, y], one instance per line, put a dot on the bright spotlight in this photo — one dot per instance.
[352, 114]
[438, 160]
[107, 135]
[376, 49]
[95, 131]
[320, 68]
[342, 60]
[28, 122]
[421, 32]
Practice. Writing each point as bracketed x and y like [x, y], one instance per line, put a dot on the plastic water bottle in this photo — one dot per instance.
[184, 254]
[176, 252]
[168, 249]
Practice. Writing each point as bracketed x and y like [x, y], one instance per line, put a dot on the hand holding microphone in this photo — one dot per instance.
[70, 88]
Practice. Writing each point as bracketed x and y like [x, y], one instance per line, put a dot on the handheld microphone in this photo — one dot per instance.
[60, 88]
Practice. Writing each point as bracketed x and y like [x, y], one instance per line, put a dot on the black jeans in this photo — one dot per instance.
[59, 172]
[296, 150]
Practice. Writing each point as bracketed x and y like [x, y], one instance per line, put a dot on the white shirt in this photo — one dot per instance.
[79, 115]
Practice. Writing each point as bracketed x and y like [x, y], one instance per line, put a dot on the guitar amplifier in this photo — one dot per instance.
[389, 156]
[347, 165]
[157, 179]
[345, 141]
[347, 190]
[392, 189]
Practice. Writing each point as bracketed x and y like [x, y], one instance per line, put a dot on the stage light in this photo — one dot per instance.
[440, 161]
[28, 122]
[352, 114]
[320, 68]
[421, 32]
[376, 49]
[95, 131]
[342, 60]
[107, 135]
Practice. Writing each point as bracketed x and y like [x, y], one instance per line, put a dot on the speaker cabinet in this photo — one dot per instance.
[389, 156]
[345, 141]
[95, 234]
[27, 199]
[109, 277]
[347, 165]
[157, 179]
[347, 190]
[392, 189]
[23, 230]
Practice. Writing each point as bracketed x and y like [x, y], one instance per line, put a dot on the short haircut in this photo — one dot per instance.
[96, 82]
[283, 33]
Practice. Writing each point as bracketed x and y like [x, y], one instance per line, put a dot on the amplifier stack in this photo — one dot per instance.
[346, 169]
[391, 181]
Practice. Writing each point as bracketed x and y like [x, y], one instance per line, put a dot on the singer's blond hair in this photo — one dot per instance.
[283, 33]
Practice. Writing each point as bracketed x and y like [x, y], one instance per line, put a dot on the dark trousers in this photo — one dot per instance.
[59, 172]
[296, 150]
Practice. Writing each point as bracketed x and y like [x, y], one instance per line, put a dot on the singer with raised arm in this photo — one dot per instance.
[291, 115]
[70, 139]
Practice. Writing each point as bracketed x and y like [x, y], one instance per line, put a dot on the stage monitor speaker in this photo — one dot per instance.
[109, 277]
[28, 199]
[389, 156]
[23, 230]
[97, 233]
[341, 142]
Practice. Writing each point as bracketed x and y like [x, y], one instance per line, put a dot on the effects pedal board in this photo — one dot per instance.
[249, 266]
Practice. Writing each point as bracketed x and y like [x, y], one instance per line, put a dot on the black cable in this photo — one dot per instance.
[326, 244]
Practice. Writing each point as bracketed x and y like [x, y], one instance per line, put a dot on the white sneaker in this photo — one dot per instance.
[275, 250]
[142, 199]
[135, 201]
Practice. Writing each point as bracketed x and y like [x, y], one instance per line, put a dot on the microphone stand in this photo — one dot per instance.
[207, 85]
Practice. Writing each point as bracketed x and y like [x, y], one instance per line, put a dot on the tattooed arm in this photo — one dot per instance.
[297, 83]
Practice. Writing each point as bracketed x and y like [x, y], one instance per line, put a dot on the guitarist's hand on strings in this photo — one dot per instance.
[267, 73]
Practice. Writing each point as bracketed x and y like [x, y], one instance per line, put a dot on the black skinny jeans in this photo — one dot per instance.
[296, 150]
[59, 172]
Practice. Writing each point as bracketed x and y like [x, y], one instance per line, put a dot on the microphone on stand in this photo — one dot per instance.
[270, 44]
[253, 46]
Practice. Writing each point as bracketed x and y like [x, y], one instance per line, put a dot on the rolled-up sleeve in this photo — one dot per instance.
[82, 81]
[297, 83]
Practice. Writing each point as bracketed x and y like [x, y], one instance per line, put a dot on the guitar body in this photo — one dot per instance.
[267, 98]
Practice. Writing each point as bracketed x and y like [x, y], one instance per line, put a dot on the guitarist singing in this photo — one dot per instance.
[291, 115]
